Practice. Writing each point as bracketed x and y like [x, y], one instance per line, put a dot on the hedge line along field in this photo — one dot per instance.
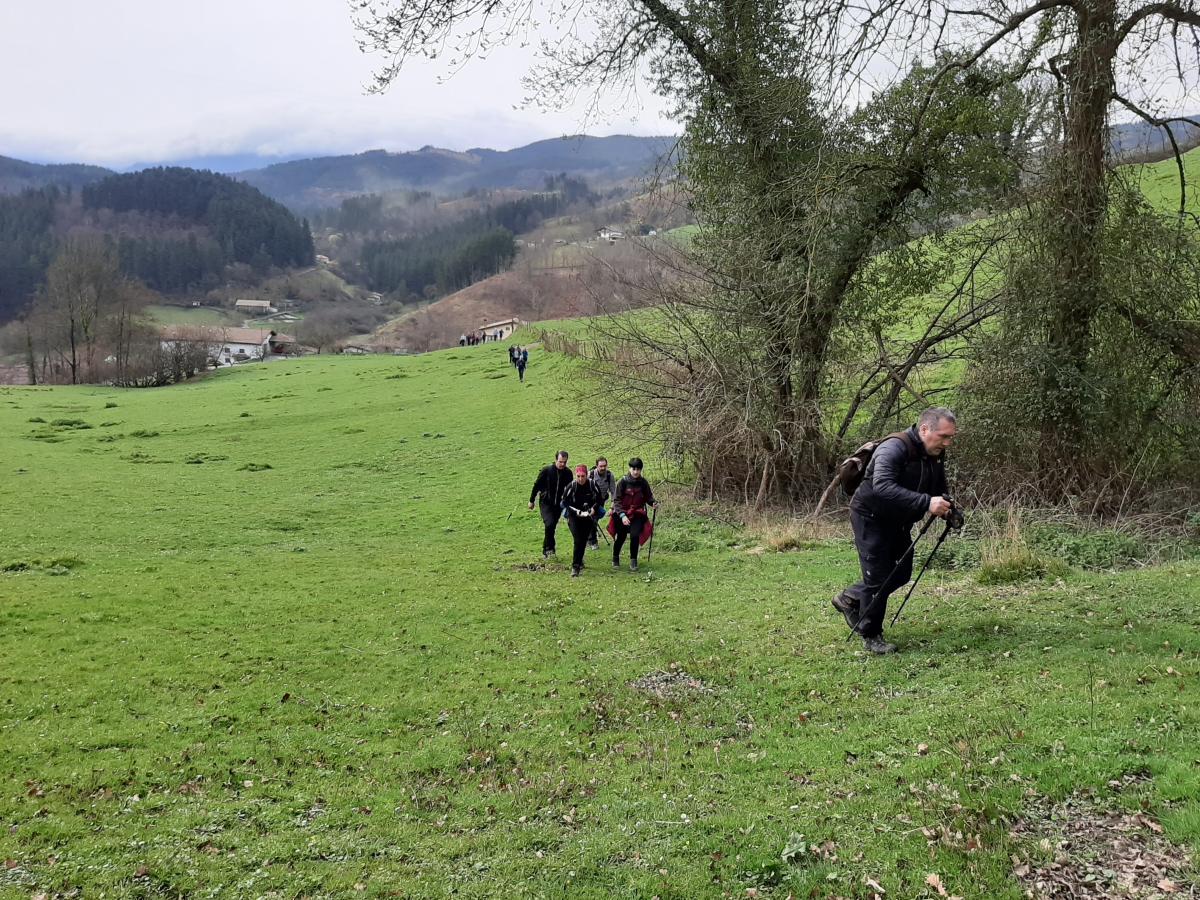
[273, 633]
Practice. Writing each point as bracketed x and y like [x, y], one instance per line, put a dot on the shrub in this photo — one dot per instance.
[1088, 548]
[1007, 558]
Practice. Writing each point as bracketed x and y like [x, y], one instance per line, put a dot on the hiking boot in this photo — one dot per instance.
[593, 546]
[633, 565]
[848, 607]
[878, 645]
[575, 571]
[616, 563]
[546, 554]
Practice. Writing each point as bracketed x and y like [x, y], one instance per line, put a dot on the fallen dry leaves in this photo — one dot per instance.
[1098, 853]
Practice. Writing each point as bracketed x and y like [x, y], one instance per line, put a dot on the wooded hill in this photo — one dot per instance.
[16, 175]
[175, 229]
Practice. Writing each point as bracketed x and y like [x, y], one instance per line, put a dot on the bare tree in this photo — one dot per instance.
[82, 282]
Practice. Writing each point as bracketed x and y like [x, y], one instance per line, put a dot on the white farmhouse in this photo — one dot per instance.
[230, 346]
[498, 331]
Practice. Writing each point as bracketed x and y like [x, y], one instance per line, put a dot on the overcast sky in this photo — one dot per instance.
[132, 81]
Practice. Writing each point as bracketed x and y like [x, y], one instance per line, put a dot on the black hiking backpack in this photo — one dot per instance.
[851, 470]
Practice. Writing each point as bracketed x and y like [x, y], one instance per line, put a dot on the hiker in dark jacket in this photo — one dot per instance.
[630, 499]
[522, 362]
[582, 506]
[551, 484]
[602, 478]
[905, 479]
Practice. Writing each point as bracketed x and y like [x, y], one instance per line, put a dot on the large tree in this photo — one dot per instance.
[1097, 57]
[794, 195]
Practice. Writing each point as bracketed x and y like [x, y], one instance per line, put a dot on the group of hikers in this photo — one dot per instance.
[903, 478]
[479, 337]
[581, 495]
[519, 358]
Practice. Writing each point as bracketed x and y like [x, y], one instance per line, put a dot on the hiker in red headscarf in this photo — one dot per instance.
[630, 500]
[581, 503]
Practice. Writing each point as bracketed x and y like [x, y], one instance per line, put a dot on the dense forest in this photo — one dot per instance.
[26, 245]
[452, 255]
[248, 226]
[440, 261]
[174, 229]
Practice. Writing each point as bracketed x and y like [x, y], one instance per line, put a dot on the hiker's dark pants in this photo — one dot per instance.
[521, 371]
[581, 532]
[632, 531]
[550, 515]
[880, 546]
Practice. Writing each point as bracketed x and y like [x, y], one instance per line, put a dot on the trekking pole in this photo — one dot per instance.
[924, 566]
[875, 599]
[514, 509]
[653, 519]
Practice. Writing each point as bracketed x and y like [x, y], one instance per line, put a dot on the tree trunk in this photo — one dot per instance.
[1079, 207]
[31, 362]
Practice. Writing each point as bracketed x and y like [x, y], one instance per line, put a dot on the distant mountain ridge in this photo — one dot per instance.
[16, 175]
[326, 180]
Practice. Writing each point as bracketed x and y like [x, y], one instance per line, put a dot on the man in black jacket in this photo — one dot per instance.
[905, 479]
[552, 482]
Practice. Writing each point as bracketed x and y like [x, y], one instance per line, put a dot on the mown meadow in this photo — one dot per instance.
[275, 633]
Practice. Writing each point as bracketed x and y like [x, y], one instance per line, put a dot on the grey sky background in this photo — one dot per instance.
[142, 81]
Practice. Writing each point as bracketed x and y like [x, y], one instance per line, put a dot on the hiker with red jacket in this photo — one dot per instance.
[552, 482]
[630, 499]
[904, 480]
[581, 504]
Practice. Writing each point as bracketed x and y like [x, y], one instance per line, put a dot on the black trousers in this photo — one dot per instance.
[880, 546]
[550, 516]
[633, 531]
[581, 533]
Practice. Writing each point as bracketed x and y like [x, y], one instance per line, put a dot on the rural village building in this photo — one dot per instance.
[233, 345]
[505, 327]
[610, 234]
[258, 307]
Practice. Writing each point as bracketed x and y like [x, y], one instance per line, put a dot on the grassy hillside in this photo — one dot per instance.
[1160, 181]
[187, 315]
[273, 633]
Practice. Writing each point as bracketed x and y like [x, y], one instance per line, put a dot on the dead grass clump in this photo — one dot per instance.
[781, 536]
[1006, 557]
[673, 685]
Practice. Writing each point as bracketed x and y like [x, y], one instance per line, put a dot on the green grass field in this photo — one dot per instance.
[184, 315]
[272, 633]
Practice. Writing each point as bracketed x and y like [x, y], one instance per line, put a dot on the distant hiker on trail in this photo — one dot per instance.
[462, 340]
[904, 480]
[512, 355]
[630, 499]
[581, 503]
[552, 482]
[604, 482]
[522, 362]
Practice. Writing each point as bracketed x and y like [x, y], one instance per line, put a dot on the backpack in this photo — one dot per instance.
[851, 470]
